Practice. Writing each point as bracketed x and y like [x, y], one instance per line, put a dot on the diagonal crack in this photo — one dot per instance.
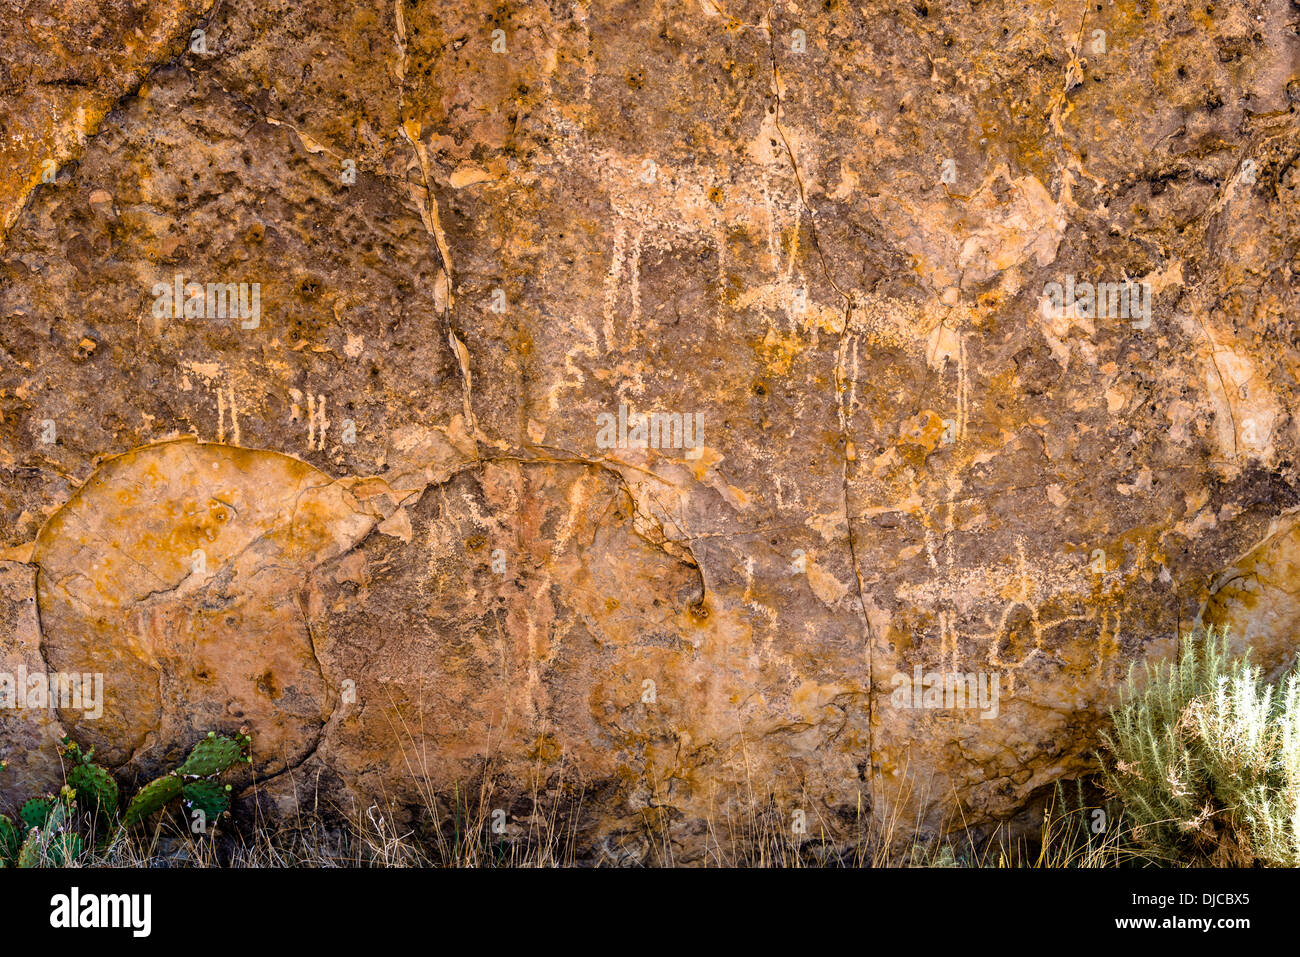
[144, 74]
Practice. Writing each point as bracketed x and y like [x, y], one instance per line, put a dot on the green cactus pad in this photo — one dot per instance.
[57, 818]
[10, 840]
[30, 855]
[214, 754]
[49, 848]
[35, 811]
[152, 797]
[95, 787]
[211, 798]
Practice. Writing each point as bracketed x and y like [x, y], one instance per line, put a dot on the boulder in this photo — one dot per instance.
[661, 418]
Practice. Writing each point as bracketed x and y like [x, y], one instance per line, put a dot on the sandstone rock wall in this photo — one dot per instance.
[378, 517]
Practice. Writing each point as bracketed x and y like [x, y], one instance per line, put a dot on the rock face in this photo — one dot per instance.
[388, 501]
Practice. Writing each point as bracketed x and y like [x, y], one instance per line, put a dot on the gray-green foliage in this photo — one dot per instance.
[1205, 757]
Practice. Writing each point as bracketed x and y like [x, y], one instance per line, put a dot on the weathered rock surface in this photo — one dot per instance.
[825, 229]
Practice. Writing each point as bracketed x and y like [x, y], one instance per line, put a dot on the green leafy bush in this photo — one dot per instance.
[1204, 756]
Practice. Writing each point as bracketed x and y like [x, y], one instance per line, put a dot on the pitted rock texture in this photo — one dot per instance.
[825, 229]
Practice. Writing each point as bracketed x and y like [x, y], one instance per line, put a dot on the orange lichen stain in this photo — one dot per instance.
[524, 344]
[740, 498]
[1244, 592]
[698, 613]
[266, 685]
[1203, 17]
[546, 749]
[777, 352]
[704, 462]
[924, 429]
[630, 740]
[1002, 403]
[790, 239]
[900, 638]
[656, 817]
[988, 303]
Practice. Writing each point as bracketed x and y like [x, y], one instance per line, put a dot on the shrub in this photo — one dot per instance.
[1204, 756]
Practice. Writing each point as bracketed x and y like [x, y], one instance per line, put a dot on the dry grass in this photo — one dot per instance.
[756, 836]
[469, 827]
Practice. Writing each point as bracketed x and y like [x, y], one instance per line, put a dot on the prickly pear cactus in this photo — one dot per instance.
[211, 798]
[214, 754]
[58, 817]
[49, 850]
[30, 854]
[10, 841]
[45, 833]
[193, 779]
[152, 797]
[54, 844]
[34, 812]
[95, 787]
[61, 844]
